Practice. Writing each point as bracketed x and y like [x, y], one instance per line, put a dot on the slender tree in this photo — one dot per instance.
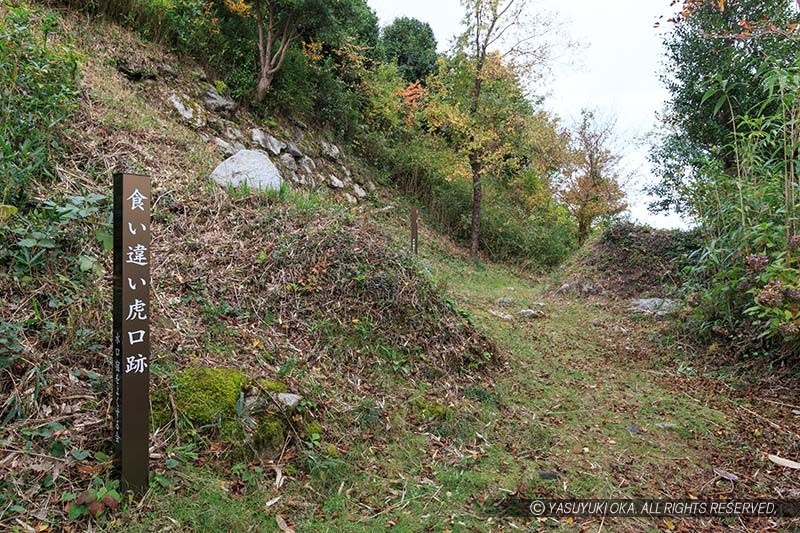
[592, 187]
[518, 35]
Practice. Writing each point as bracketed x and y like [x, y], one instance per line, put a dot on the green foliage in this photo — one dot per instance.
[410, 44]
[713, 49]
[96, 501]
[747, 279]
[38, 91]
[56, 231]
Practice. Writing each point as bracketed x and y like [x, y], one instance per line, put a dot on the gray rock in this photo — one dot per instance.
[531, 313]
[259, 138]
[501, 315]
[288, 400]
[335, 182]
[660, 307]
[633, 429]
[252, 167]
[217, 103]
[505, 301]
[187, 110]
[288, 162]
[267, 142]
[331, 151]
[274, 145]
[225, 147]
[234, 134]
[307, 165]
[580, 288]
[359, 192]
[292, 148]
[352, 200]
[667, 425]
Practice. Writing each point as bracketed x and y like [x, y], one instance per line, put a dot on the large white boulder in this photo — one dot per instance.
[251, 167]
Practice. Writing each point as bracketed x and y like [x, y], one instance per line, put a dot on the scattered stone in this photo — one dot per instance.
[501, 315]
[537, 304]
[633, 429]
[548, 474]
[166, 70]
[251, 167]
[506, 301]
[288, 400]
[288, 162]
[259, 138]
[307, 165]
[335, 182]
[361, 193]
[274, 145]
[345, 171]
[186, 110]
[352, 200]
[660, 307]
[134, 72]
[234, 134]
[666, 425]
[292, 148]
[331, 151]
[531, 313]
[580, 288]
[370, 186]
[267, 142]
[224, 147]
[217, 103]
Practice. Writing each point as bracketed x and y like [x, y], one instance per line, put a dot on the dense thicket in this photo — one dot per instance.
[729, 158]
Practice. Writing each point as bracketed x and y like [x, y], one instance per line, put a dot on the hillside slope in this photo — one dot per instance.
[310, 374]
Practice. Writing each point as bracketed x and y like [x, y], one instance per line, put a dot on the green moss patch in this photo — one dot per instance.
[205, 395]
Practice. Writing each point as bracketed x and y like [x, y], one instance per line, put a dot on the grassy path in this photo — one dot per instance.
[609, 402]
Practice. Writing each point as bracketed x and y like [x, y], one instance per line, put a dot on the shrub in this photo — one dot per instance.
[38, 90]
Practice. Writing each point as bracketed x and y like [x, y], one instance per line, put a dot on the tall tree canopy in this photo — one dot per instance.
[714, 44]
[279, 23]
[411, 44]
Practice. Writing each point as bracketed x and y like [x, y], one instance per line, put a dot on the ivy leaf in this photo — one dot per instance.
[80, 455]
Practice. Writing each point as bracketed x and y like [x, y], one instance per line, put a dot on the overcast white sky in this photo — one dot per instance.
[615, 71]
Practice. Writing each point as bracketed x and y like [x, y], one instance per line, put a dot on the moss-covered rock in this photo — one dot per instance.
[270, 436]
[271, 385]
[205, 395]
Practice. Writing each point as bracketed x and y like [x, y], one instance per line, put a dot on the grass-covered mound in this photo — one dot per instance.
[630, 260]
[249, 290]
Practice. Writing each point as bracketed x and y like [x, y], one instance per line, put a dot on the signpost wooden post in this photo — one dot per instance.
[131, 335]
[414, 230]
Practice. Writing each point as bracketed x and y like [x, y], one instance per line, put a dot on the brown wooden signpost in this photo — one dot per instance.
[414, 237]
[131, 334]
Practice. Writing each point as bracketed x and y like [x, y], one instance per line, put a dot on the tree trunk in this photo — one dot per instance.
[583, 230]
[264, 83]
[477, 198]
